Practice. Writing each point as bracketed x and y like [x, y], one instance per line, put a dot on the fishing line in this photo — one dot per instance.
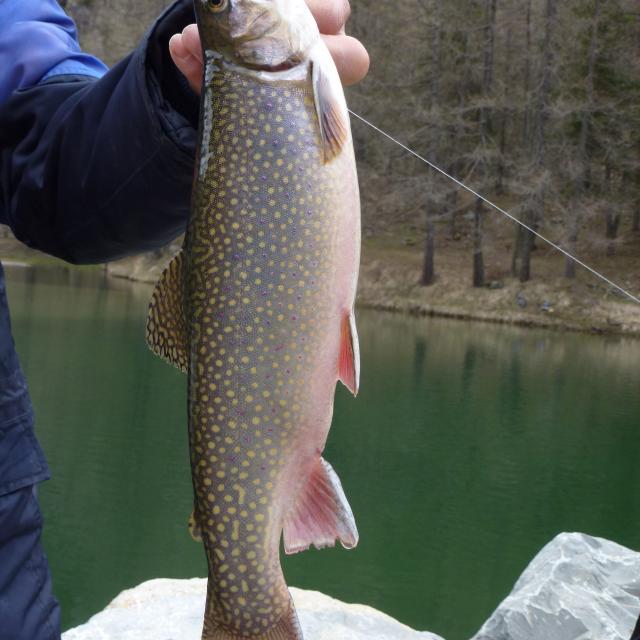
[497, 208]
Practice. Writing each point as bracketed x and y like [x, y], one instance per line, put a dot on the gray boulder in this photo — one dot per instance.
[577, 588]
[173, 610]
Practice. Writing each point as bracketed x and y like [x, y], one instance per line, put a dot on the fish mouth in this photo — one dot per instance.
[283, 66]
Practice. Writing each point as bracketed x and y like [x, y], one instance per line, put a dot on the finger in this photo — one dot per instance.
[331, 16]
[189, 65]
[350, 56]
[191, 40]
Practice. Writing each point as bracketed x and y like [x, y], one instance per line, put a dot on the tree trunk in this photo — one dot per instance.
[612, 221]
[478, 241]
[572, 241]
[516, 256]
[548, 57]
[535, 132]
[583, 179]
[485, 129]
[504, 111]
[428, 265]
[528, 241]
[436, 53]
[524, 274]
[527, 78]
[428, 270]
[487, 75]
[502, 148]
[611, 214]
[635, 220]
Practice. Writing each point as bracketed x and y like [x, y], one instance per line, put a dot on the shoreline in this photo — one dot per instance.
[584, 309]
[415, 309]
[389, 281]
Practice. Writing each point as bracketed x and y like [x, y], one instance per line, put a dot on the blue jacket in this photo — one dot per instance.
[95, 164]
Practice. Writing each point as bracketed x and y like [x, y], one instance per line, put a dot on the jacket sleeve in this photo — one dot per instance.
[97, 169]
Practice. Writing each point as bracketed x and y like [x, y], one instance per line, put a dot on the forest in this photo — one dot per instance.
[534, 103]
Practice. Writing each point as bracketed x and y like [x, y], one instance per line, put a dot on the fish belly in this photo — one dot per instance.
[272, 252]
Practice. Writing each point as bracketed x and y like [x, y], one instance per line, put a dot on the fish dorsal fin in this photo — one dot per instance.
[166, 326]
[331, 108]
[349, 359]
[321, 514]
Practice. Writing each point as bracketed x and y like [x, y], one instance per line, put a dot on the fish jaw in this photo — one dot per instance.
[258, 34]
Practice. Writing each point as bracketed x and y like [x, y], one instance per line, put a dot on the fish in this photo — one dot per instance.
[258, 307]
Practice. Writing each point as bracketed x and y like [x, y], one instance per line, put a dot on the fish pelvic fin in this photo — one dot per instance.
[166, 325]
[321, 514]
[288, 628]
[331, 108]
[349, 359]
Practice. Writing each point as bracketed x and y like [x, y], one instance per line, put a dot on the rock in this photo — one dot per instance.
[494, 285]
[173, 610]
[521, 301]
[577, 587]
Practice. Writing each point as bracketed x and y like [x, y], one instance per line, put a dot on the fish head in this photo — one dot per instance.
[266, 35]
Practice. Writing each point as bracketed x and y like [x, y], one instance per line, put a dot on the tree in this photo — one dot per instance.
[431, 212]
[583, 175]
[536, 118]
[485, 143]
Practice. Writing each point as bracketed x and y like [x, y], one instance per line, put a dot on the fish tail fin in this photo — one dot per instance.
[288, 628]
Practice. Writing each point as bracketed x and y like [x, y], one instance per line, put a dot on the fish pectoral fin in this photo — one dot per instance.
[330, 108]
[166, 326]
[287, 628]
[194, 528]
[321, 514]
[349, 359]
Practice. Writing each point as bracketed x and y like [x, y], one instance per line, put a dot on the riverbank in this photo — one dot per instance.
[390, 280]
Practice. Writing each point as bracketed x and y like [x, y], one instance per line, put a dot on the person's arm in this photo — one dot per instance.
[92, 170]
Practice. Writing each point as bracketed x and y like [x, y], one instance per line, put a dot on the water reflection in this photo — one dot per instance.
[469, 447]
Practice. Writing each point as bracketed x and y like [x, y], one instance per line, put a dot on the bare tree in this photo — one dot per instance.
[583, 177]
[534, 207]
[484, 142]
[428, 266]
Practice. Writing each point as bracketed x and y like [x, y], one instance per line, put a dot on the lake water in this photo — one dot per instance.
[469, 447]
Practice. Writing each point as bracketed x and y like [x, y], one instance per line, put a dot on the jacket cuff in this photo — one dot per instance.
[175, 104]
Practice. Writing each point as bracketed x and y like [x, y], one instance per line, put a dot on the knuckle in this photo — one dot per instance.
[346, 11]
[339, 13]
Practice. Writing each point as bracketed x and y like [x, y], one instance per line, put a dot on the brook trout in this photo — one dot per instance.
[257, 308]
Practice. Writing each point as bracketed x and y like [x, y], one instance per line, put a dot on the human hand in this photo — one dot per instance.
[351, 58]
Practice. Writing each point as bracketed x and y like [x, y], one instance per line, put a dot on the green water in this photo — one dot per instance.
[469, 448]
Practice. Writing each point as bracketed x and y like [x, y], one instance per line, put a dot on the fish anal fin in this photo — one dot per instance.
[321, 514]
[331, 109]
[288, 628]
[349, 358]
[166, 326]
[194, 528]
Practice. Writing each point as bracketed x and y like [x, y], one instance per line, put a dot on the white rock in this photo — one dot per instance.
[173, 610]
[577, 587]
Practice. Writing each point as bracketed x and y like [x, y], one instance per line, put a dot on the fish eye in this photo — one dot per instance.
[217, 5]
